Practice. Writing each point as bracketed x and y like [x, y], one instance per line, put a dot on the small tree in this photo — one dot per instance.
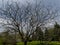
[56, 32]
[46, 35]
[38, 34]
[7, 38]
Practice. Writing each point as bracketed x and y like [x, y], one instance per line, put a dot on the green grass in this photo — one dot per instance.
[29, 43]
[40, 43]
[37, 43]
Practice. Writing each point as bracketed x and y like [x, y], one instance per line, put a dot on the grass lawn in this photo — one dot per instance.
[40, 43]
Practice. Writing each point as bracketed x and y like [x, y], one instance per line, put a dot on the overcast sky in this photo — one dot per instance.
[46, 2]
[55, 3]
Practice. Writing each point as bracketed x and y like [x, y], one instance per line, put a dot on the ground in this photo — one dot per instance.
[40, 43]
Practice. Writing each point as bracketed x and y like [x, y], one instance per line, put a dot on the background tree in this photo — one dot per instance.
[51, 33]
[38, 34]
[7, 38]
[46, 35]
[56, 32]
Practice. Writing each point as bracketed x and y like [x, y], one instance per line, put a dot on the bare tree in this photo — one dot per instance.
[24, 19]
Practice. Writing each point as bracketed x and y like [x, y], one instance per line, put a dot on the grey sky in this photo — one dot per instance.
[51, 2]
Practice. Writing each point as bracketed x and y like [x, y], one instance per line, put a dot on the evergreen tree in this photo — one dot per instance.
[56, 32]
[39, 34]
[46, 34]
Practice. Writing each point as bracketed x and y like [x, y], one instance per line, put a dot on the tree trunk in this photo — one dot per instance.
[14, 44]
[25, 42]
[4, 43]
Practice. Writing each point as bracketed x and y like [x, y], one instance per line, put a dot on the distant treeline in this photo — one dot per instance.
[50, 34]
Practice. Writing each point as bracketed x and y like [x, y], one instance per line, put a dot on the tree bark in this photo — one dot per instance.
[25, 42]
[4, 43]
